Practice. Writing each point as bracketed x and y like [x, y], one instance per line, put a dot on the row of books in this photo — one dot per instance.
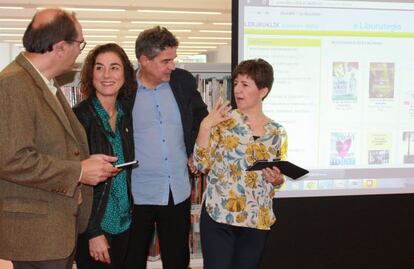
[72, 94]
[212, 89]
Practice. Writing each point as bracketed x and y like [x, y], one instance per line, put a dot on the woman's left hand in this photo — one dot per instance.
[273, 176]
[99, 249]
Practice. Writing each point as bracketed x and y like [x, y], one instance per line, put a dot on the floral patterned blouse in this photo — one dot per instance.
[233, 195]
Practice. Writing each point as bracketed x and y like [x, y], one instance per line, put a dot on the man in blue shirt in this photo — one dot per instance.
[167, 111]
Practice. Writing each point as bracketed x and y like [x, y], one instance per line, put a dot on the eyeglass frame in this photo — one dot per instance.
[82, 44]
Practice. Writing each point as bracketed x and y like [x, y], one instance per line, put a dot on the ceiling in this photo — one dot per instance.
[205, 32]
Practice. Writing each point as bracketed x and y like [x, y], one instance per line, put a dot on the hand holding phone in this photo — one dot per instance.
[123, 165]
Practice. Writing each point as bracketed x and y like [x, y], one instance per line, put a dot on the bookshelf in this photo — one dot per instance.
[213, 81]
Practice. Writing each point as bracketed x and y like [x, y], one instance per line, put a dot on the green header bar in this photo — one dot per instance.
[284, 42]
[326, 33]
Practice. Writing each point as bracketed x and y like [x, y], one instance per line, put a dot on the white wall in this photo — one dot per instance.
[5, 52]
[8, 52]
[221, 55]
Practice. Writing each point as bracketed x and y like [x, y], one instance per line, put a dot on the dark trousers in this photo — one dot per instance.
[117, 252]
[173, 226]
[230, 247]
[66, 263]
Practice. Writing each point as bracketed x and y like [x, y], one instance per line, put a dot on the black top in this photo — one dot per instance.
[99, 143]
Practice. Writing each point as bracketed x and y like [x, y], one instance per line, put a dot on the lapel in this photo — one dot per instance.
[177, 91]
[71, 124]
[61, 111]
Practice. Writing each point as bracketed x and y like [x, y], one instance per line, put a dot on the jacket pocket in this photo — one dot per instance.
[27, 206]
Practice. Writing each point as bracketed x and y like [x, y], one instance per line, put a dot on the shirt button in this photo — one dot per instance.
[160, 122]
[76, 152]
[163, 140]
[165, 158]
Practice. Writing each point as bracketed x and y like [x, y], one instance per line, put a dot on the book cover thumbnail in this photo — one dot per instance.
[344, 81]
[379, 146]
[378, 156]
[342, 148]
[381, 80]
[408, 142]
[409, 98]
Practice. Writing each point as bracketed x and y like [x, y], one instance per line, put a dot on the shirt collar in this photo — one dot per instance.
[142, 87]
[49, 83]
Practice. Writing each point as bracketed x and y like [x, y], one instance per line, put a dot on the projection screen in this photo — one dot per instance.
[344, 90]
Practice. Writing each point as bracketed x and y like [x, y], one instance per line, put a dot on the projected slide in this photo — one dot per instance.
[344, 90]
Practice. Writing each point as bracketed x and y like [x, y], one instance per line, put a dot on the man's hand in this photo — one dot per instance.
[98, 168]
[191, 166]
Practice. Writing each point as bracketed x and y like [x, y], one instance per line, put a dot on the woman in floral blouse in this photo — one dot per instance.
[237, 211]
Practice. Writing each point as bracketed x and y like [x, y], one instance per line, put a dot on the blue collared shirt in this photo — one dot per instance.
[159, 147]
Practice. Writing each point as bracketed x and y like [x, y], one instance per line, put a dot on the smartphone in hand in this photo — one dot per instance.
[123, 165]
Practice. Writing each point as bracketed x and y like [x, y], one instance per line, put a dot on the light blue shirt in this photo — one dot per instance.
[159, 147]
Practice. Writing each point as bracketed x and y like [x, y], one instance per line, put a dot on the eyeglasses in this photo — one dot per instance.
[82, 44]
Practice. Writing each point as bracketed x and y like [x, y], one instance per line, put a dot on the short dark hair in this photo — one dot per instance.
[86, 77]
[41, 39]
[154, 40]
[260, 71]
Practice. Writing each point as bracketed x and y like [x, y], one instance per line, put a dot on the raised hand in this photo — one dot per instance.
[218, 114]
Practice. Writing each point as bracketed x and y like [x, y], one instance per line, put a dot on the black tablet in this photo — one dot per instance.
[287, 168]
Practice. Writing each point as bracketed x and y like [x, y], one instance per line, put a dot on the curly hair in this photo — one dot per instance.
[86, 78]
[154, 40]
[260, 71]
